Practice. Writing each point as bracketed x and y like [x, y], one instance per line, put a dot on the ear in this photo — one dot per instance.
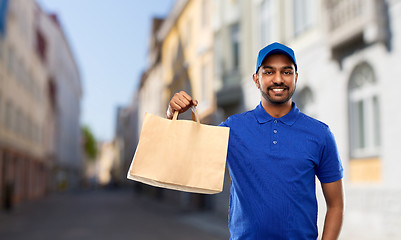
[255, 78]
[296, 78]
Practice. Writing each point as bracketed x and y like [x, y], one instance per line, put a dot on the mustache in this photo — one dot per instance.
[278, 86]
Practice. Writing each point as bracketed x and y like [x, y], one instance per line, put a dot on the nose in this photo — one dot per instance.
[277, 78]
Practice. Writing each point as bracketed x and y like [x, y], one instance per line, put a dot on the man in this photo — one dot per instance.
[274, 154]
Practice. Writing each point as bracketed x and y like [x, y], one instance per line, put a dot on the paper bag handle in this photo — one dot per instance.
[175, 116]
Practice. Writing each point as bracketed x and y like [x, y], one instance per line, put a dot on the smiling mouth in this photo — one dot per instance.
[278, 90]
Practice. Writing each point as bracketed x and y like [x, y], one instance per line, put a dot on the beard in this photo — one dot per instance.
[270, 99]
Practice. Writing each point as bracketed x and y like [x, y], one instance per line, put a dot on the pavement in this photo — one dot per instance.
[107, 214]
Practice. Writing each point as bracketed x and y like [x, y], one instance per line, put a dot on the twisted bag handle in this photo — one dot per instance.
[194, 111]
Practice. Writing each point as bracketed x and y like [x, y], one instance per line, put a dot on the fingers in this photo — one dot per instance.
[180, 102]
[183, 102]
[187, 97]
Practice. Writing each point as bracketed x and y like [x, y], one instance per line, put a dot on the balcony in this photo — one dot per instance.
[352, 24]
[230, 94]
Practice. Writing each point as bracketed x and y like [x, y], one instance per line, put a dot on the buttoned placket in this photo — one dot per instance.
[275, 140]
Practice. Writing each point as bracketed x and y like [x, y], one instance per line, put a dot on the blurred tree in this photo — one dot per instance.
[89, 143]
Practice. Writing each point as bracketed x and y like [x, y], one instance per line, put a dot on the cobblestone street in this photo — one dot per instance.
[106, 214]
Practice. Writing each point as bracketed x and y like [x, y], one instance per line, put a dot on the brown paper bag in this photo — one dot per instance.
[180, 154]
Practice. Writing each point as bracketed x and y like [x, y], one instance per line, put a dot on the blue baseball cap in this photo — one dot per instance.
[275, 48]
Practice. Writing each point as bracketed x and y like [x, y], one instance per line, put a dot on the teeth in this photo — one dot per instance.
[278, 89]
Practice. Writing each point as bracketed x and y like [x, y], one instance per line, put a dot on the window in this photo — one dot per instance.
[29, 129]
[11, 61]
[18, 123]
[23, 125]
[1, 49]
[36, 137]
[9, 115]
[189, 32]
[25, 76]
[30, 84]
[235, 37]
[304, 15]
[1, 108]
[41, 45]
[364, 113]
[305, 101]
[268, 22]
[204, 86]
[18, 70]
[205, 12]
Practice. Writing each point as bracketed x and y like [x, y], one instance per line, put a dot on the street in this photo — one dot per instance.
[106, 214]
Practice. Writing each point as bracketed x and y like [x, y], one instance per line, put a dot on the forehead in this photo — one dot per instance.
[277, 59]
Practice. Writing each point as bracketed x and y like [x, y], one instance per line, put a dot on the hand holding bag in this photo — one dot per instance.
[180, 154]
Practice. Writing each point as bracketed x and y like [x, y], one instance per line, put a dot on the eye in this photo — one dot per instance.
[267, 72]
[287, 72]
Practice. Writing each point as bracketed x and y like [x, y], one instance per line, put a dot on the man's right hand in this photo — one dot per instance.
[180, 102]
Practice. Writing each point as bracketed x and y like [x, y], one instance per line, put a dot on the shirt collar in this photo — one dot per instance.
[262, 116]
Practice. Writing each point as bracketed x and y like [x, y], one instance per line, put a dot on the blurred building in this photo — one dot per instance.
[362, 39]
[232, 38]
[40, 93]
[64, 83]
[151, 87]
[126, 136]
[107, 164]
[23, 98]
[187, 54]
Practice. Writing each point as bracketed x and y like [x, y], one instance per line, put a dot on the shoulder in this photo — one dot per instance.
[239, 119]
[313, 121]
[319, 133]
[314, 125]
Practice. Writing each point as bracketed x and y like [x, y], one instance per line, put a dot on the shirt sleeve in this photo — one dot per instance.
[330, 168]
[226, 123]
[223, 124]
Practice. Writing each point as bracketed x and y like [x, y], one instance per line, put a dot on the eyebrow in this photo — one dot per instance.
[285, 67]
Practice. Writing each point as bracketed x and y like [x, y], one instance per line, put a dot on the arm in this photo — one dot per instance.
[334, 196]
[180, 102]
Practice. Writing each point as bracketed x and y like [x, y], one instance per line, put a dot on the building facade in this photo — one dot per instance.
[23, 106]
[126, 137]
[187, 54]
[32, 100]
[64, 80]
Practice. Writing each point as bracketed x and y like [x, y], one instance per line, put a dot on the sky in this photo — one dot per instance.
[109, 39]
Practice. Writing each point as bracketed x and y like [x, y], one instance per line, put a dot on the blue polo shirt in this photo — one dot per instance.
[273, 163]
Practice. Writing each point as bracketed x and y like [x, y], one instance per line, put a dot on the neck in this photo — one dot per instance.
[277, 110]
